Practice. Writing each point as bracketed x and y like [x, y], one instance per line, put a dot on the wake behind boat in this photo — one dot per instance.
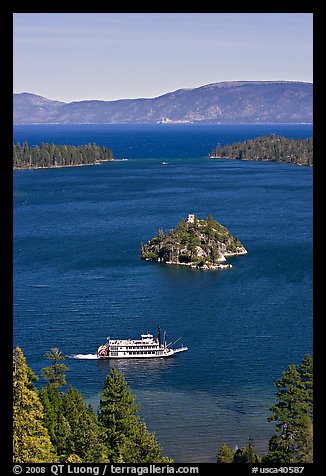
[146, 347]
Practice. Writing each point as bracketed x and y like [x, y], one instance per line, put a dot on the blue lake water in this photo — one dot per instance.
[78, 277]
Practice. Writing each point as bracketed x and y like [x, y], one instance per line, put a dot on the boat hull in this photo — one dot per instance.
[126, 355]
[148, 347]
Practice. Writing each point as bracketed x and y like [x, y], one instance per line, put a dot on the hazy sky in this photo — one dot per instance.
[74, 56]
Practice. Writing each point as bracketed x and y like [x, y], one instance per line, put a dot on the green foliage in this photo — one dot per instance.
[50, 155]
[53, 420]
[126, 437]
[55, 426]
[293, 414]
[117, 414]
[86, 434]
[306, 374]
[271, 148]
[31, 441]
[241, 455]
[73, 459]
[225, 454]
[200, 243]
[305, 441]
[55, 374]
[73, 428]
[247, 454]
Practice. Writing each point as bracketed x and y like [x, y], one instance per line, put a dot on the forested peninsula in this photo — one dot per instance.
[271, 148]
[201, 244]
[50, 155]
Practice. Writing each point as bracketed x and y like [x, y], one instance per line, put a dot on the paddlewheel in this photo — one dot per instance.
[102, 351]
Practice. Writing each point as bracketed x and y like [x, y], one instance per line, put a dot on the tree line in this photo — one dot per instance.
[50, 425]
[51, 155]
[272, 148]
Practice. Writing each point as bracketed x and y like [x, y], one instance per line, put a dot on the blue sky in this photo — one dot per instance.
[107, 56]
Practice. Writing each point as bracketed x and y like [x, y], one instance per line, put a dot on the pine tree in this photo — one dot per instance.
[251, 455]
[288, 409]
[55, 374]
[51, 398]
[306, 373]
[54, 421]
[305, 441]
[126, 437]
[73, 428]
[293, 415]
[31, 441]
[225, 454]
[117, 413]
[85, 433]
[143, 447]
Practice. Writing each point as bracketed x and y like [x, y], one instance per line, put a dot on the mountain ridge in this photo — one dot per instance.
[222, 102]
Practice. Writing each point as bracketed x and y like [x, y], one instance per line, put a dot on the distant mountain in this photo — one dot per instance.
[30, 108]
[225, 102]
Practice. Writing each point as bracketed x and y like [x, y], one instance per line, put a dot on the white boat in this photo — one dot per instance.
[145, 348]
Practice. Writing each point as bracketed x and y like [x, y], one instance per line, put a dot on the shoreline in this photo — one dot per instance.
[211, 156]
[193, 265]
[71, 165]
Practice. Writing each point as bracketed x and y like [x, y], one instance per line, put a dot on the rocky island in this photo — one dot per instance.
[201, 244]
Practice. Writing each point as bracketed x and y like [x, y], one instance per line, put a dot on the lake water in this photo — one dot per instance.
[78, 277]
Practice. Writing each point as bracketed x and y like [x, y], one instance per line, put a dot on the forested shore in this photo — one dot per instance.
[51, 155]
[52, 425]
[271, 148]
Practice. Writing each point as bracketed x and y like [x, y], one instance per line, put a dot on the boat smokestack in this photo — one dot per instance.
[159, 335]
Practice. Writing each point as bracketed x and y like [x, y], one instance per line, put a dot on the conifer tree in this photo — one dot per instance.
[143, 447]
[117, 413]
[250, 453]
[54, 420]
[55, 373]
[126, 437]
[225, 454]
[306, 373]
[51, 398]
[305, 441]
[293, 415]
[31, 441]
[85, 433]
[73, 428]
[246, 454]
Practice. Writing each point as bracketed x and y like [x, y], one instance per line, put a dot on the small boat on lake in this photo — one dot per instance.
[146, 347]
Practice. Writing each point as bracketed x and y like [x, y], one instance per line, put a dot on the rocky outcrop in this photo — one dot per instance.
[201, 244]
